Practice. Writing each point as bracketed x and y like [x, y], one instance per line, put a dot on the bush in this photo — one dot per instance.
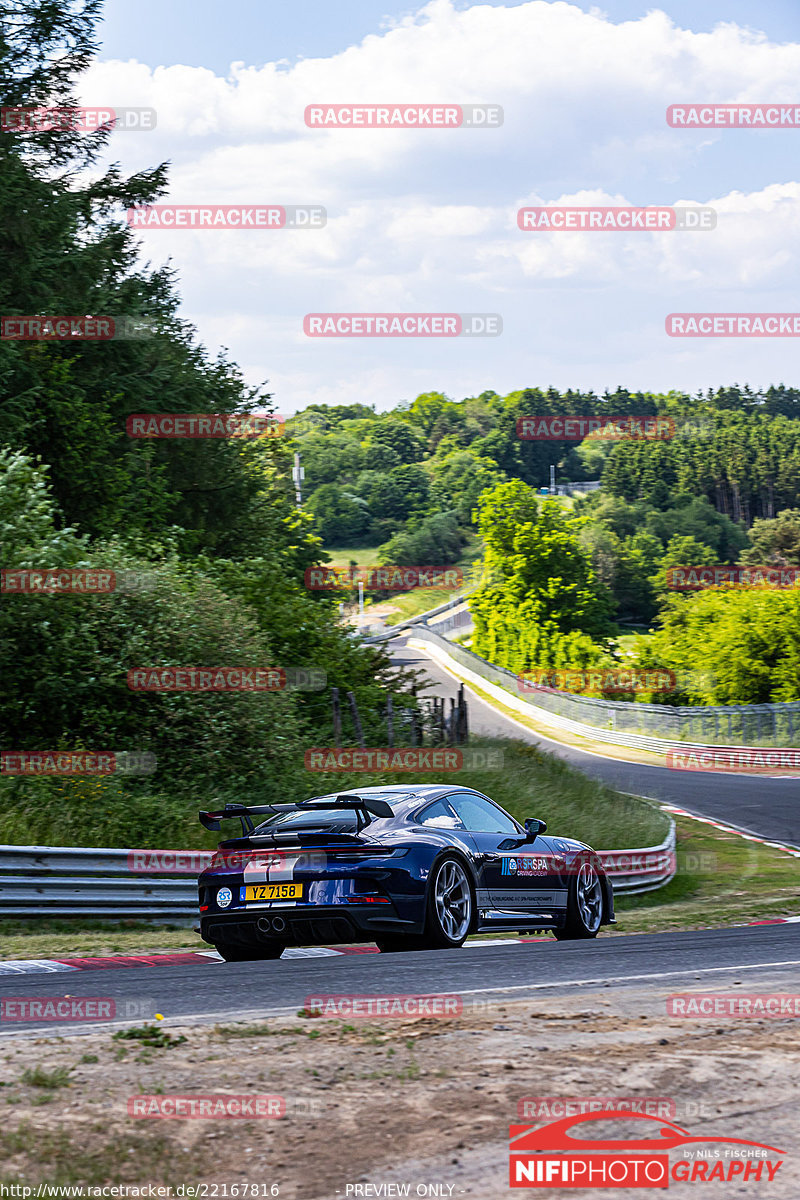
[437, 541]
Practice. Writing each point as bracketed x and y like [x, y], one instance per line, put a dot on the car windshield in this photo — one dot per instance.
[334, 820]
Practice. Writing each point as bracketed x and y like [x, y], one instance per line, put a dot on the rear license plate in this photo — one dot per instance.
[271, 891]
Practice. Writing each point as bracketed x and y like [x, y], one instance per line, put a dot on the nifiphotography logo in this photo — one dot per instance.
[549, 1156]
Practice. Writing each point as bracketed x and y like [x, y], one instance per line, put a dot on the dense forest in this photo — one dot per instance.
[562, 579]
[205, 530]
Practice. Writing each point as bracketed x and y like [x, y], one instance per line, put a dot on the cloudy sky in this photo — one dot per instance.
[425, 220]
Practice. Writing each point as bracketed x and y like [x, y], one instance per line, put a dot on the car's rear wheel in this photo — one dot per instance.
[450, 906]
[252, 953]
[585, 905]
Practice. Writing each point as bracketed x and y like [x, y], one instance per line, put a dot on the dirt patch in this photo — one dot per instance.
[421, 1102]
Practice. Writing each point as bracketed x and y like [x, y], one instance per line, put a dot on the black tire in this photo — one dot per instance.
[586, 904]
[258, 950]
[450, 906]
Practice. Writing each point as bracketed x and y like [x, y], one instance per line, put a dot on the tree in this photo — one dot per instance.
[415, 483]
[329, 458]
[458, 480]
[732, 645]
[400, 437]
[379, 457]
[696, 517]
[540, 603]
[436, 541]
[31, 526]
[67, 249]
[426, 409]
[341, 518]
[776, 541]
[398, 494]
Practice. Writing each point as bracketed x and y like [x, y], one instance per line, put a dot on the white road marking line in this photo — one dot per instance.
[32, 966]
[310, 952]
[526, 987]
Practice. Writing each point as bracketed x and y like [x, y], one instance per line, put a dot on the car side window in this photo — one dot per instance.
[481, 816]
[440, 815]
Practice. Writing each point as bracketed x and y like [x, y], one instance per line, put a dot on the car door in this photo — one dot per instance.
[525, 878]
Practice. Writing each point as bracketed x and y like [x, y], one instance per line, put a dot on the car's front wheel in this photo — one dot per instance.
[254, 953]
[585, 905]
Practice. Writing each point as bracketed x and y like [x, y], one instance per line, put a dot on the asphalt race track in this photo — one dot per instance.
[212, 991]
[767, 807]
[665, 962]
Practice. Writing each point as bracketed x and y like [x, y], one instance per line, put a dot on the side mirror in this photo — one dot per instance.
[533, 827]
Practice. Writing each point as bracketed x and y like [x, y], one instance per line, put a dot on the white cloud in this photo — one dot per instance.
[425, 220]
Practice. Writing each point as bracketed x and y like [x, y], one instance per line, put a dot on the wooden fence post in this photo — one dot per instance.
[356, 720]
[337, 718]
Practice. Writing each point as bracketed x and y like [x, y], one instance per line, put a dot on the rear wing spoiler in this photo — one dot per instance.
[366, 806]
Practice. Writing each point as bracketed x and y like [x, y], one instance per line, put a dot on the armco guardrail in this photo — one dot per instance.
[635, 871]
[643, 726]
[58, 881]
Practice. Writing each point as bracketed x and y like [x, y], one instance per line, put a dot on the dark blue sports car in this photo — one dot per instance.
[408, 867]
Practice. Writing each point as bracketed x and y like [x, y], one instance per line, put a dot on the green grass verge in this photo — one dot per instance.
[722, 879]
[94, 1157]
[51, 938]
[412, 604]
[342, 556]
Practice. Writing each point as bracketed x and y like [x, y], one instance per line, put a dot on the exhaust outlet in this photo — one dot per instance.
[278, 924]
[263, 925]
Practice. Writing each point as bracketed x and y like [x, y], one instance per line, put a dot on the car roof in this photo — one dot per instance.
[401, 796]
